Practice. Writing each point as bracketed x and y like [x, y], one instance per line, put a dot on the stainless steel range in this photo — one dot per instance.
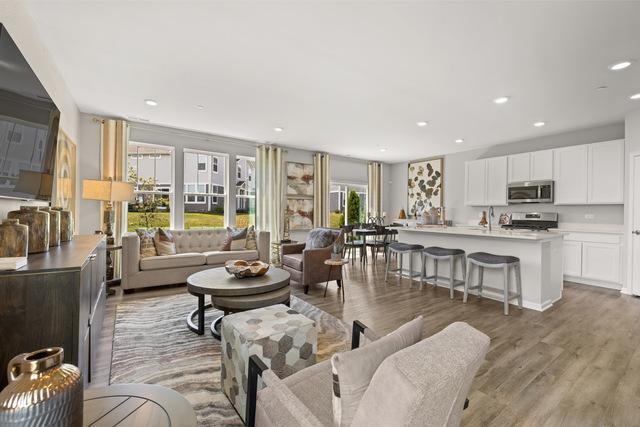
[533, 221]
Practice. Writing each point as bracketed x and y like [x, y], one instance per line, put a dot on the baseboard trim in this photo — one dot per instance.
[591, 282]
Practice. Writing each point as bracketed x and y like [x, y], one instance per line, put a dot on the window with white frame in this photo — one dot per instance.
[150, 170]
[339, 203]
[245, 191]
[204, 190]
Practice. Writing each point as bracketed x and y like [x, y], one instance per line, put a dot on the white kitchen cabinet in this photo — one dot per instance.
[541, 165]
[475, 183]
[570, 168]
[572, 258]
[606, 173]
[601, 261]
[486, 182]
[496, 193]
[519, 167]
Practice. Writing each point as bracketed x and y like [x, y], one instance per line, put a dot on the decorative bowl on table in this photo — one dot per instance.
[241, 268]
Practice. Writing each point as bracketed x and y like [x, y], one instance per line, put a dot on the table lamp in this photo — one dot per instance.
[108, 191]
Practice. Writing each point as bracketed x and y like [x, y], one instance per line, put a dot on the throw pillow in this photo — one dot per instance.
[353, 370]
[147, 246]
[252, 240]
[165, 245]
[236, 239]
[319, 238]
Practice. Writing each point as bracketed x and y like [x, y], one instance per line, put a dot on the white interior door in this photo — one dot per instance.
[635, 222]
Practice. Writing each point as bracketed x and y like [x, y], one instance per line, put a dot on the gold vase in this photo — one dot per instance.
[38, 222]
[54, 225]
[66, 224]
[14, 238]
[42, 391]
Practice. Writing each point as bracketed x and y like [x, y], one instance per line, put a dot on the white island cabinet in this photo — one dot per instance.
[540, 256]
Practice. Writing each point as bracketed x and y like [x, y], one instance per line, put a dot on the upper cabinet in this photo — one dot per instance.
[536, 166]
[486, 182]
[589, 174]
[570, 173]
[606, 173]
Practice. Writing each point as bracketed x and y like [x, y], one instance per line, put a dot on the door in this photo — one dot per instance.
[606, 173]
[497, 181]
[634, 261]
[475, 183]
[570, 173]
[601, 261]
[541, 166]
[519, 165]
[572, 258]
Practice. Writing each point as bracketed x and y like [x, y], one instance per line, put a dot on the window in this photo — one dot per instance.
[339, 202]
[204, 192]
[245, 192]
[150, 169]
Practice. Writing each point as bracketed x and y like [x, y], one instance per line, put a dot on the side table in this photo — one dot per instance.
[110, 280]
[335, 263]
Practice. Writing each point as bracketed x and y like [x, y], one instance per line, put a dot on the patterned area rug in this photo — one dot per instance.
[152, 345]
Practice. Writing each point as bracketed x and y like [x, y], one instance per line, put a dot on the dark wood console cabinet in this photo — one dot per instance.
[57, 299]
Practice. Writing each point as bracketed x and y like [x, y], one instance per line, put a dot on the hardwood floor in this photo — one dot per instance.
[576, 364]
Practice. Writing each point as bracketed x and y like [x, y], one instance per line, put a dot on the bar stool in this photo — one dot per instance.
[401, 249]
[505, 262]
[436, 254]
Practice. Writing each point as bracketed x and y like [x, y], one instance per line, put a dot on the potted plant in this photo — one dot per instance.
[336, 251]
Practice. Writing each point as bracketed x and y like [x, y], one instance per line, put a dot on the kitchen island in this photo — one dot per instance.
[540, 254]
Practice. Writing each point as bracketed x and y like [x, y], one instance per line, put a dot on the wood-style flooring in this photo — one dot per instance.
[576, 364]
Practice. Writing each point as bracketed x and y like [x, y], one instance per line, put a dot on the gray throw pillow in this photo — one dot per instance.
[319, 238]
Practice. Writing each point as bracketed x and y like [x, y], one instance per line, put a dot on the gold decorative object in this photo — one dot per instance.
[38, 222]
[42, 391]
[241, 268]
[14, 238]
[483, 219]
[402, 214]
[66, 224]
[54, 225]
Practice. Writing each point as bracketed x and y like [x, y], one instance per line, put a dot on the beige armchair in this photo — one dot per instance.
[307, 266]
[425, 384]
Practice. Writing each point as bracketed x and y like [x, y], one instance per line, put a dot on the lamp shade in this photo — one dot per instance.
[107, 190]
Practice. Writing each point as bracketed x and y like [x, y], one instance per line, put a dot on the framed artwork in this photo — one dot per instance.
[299, 180]
[65, 173]
[424, 188]
[300, 214]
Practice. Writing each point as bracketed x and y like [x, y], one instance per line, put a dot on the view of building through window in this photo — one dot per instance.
[245, 191]
[149, 168]
[204, 189]
[338, 203]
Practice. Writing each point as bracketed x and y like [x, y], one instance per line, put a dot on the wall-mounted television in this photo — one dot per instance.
[28, 127]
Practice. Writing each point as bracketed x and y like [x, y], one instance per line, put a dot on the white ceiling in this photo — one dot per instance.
[350, 77]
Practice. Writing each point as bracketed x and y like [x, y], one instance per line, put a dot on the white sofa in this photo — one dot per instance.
[195, 250]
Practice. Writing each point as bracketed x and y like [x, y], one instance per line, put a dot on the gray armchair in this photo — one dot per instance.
[306, 265]
[425, 384]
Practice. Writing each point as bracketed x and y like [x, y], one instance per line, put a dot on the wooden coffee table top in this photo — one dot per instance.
[136, 405]
[217, 282]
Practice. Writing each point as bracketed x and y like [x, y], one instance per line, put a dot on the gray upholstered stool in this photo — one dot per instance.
[436, 254]
[401, 249]
[505, 262]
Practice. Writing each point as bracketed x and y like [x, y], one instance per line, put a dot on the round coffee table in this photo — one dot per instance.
[232, 295]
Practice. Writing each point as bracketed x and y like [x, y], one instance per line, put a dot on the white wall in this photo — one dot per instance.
[23, 31]
[454, 178]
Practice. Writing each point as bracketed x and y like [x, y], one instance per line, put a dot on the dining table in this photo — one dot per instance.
[365, 232]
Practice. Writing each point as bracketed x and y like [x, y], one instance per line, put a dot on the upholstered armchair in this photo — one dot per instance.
[424, 384]
[305, 261]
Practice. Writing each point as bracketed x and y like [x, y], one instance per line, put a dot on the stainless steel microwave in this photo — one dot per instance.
[530, 192]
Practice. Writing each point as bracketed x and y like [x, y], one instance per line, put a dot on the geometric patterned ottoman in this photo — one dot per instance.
[285, 340]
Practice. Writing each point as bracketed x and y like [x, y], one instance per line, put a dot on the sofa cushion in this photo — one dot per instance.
[147, 245]
[236, 239]
[293, 260]
[172, 261]
[165, 245]
[320, 238]
[199, 240]
[252, 239]
[220, 257]
[353, 370]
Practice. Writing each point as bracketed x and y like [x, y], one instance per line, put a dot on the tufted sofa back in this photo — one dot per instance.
[199, 240]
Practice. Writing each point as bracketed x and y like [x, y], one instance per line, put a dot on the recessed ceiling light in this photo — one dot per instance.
[621, 65]
[278, 129]
[635, 96]
[602, 88]
[200, 107]
[539, 124]
[382, 150]
[501, 100]
[459, 141]
[151, 102]
[422, 123]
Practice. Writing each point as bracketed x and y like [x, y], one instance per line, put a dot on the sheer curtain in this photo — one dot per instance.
[269, 191]
[321, 183]
[374, 189]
